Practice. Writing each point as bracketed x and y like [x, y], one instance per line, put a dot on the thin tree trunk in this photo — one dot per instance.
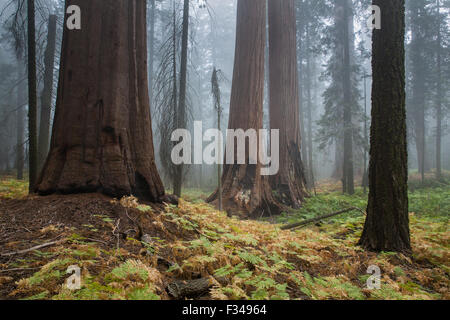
[387, 223]
[348, 175]
[217, 106]
[365, 179]
[32, 95]
[46, 97]
[300, 28]
[439, 100]
[290, 182]
[310, 178]
[102, 132]
[418, 86]
[151, 56]
[174, 77]
[178, 182]
[20, 123]
[245, 191]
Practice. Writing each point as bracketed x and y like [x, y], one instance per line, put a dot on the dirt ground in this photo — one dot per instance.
[33, 221]
[255, 259]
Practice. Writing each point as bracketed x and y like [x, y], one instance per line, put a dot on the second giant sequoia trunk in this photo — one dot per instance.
[102, 134]
[245, 191]
[290, 183]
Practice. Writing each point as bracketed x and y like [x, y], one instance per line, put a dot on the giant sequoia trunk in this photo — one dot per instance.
[387, 222]
[102, 134]
[245, 191]
[290, 183]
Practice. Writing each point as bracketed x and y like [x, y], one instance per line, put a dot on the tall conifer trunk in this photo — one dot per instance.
[245, 191]
[387, 221]
[102, 133]
[290, 182]
[46, 98]
[32, 96]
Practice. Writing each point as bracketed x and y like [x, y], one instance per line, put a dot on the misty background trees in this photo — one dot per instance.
[187, 40]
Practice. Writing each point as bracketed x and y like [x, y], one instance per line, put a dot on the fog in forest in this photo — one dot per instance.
[211, 45]
[224, 150]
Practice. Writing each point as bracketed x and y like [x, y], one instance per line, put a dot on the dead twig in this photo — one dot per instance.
[44, 245]
[18, 269]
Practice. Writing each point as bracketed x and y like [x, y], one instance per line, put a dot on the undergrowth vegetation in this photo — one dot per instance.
[241, 259]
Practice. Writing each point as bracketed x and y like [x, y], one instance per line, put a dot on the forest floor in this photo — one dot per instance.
[196, 252]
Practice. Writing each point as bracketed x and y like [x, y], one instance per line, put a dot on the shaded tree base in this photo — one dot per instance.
[246, 195]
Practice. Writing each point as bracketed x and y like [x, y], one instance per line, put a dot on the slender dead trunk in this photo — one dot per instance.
[102, 132]
[300, 30]
[387, 222]
[418, 86]
[175, 81]
[46, 97]
[365, 179]
[245, 191]
[217, 106]
[32, 96]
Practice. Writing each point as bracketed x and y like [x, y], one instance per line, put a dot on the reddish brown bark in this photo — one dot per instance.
[102, 134]
[290, 183]
[245, 191]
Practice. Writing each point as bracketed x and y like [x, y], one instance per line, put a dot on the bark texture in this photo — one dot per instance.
[245, 191]
[102, 133]
[290, 182]
[387, 222]
[47, 91]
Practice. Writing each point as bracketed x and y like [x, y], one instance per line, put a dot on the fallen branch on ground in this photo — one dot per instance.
[44, 245]
[302, 223]
[19, 269]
